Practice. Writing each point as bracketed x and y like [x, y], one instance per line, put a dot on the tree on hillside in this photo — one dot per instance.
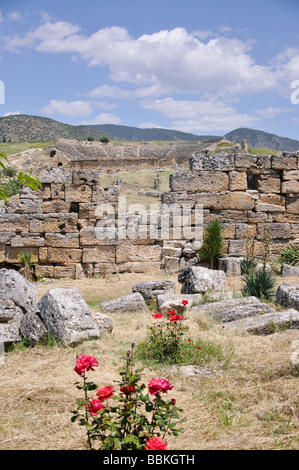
[25, 179]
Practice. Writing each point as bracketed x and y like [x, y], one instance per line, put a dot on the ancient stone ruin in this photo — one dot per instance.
[57, 224]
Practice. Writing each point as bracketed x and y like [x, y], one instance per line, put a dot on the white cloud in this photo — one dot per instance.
[74, 108]
[1, 18]
[200, 116]
[104, 118]
[12, 113]
[271, 112]
[108, 91]
[173, 60]
[149, 125]
[15, 16]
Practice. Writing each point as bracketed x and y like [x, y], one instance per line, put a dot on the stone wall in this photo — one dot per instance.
[57, 224]
[246, 193]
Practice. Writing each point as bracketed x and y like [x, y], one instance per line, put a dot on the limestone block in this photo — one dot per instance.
[257, 217]
[32, 328]
[197, 280]
[27, 239]
[5, 237]
[13, 286]
[129, 253]
[231, 265]
[211, 162]
[199, 182]
[64, 255]
[65, 272]
[179, 197]
[275, 199]
[14, 223]
[94, 236]
[54, 175]
[74, 193]
[286, 161]
[12, 253]
[150, 290]
[171, 264]
[290, 175]
[139, 267]
[44, 271]
[2, 253]
[55, 206]
[128, 303]
[23, 206]
[253, 162]
[267, 323]
[41, 193]
[228, 217]
[83, 176]
[236, 247]
[170, 301]
[94, 210]
[67, 316]
[288, 295]
[292, 205]
[54, 223]
[171, 251]
[109, 194]
[234, 309]
[97, 254]
[290, 187]
[289, 271]
[279, 231]
[226, 201]
[265, 207]
[243, 229]
[68, 240]
[269, 184]
[58, 191]
[237, 181]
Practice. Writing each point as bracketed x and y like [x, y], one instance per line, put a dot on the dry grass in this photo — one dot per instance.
[252, 402]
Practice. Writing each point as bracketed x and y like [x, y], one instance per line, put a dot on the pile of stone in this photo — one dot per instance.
[61, 313]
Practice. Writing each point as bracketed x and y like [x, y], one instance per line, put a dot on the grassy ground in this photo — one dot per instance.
[12, 148]
[251, 401]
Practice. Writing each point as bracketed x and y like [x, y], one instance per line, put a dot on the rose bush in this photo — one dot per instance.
[136, 421]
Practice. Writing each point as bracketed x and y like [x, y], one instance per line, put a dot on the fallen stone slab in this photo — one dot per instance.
[197, 280]
[9, 331]
[234, 309]
[104, 322]
[266, 324]
[288, 295]
[150, 290]
[32, 328]
[196, 371]
[7, 310]
[67, 316]
[167, 302]
[231, 265]
[13, 286]
[289, 271]
[128, 303]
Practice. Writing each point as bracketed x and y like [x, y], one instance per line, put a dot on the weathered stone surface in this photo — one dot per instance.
[129, 303]
[196, 371]
[292, 205]
[199, 280]
[13, 286]
[58, 191]
[269, 184]
[231, 265]
[85, 177]
[9, 332]
[169, 301]
[41, 193]
[67, 316]
[55, 206]
[278, 231]
[97, 254]
[290, 175]
[199, 182]
[171, 264]
[234, 309]
[14, 222]
[12, 253]
[74, 193]
[7, 310]
[285, 161]
[150, 290]
[211, 162]
[267, 323]
[109, 194]
[55, 175]
[138, 267]
[288, 295]
[131, 253]
[96, 236]
[65, 272]
[254, 162]
[290, 187]
[104, 322]
[237, 181]
[27, 240]
[289, 271]
[263, 207]
[53, 223]
[68, 240]
[44, 271]
[64, 256]
[236, 200]
[32, 328]
[15, 205]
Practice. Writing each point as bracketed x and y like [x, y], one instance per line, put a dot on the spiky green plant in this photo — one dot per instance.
[213, 243]
[26, 262]
[260, 284]
[247, 265]
[290, 255]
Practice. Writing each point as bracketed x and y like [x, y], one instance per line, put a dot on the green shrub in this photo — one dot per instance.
[247, 265]
[259, 284]
[290, 255]
[213, 243]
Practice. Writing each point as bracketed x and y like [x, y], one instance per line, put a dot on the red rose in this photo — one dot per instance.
[94, 406]
[185, 302]
[156, 443]
[85, 363]
[127, 389]
[157, 315]
[170, 312]
[173, 401]
[159, 385]
[176, 318]
[105, 393]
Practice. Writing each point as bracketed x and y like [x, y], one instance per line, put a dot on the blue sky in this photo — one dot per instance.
[205, 67]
